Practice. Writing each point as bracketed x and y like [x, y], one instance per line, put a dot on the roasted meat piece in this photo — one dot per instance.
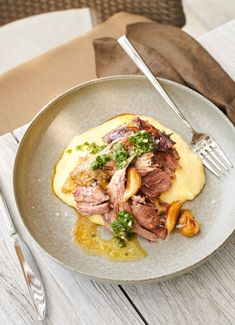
[145, 163]
[145, 215]
[167, 161]
[116, 189]
[91, 200]
[118, 133]
[160, 232]
[155, 182]
[142, 232]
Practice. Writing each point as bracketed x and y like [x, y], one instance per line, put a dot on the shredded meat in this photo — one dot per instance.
[110, 166]
[160, 232]
[91, 200]
[139, 199]
[145, 163]
[145, 215]
[167, 162]
[137, 229]
[108, 218]
[155, 182]
[116, 189]
[118, 133]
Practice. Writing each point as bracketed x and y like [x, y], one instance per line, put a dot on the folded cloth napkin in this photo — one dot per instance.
[172, 54]
[25, 89]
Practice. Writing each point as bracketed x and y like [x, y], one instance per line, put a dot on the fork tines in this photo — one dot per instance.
[212, 155]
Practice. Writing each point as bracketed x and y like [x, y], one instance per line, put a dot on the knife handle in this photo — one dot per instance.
[27, 263]
[31, 275]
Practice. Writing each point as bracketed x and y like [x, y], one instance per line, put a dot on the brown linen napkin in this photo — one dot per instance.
[171, 54]
[25, 89]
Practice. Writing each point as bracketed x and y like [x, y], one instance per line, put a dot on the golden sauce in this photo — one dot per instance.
[88, 238]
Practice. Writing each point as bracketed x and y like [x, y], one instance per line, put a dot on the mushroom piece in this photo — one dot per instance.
[172, 216]
[133, 183]
[188, 224]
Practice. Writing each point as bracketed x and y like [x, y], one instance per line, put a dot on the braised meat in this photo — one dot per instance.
[160, 232]
[116, 189]
[145, 215]
[145, 163]
[108, 218]
[91, 200]
[155, 182]
[142, 232]
[166, 161]
[118, 133]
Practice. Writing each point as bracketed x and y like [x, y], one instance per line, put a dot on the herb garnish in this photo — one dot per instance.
[92, 147]
[99, 161]
[120, 155]
[142, 141]
[122, 227]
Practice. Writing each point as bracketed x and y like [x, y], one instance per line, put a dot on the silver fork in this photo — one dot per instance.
[211, 154]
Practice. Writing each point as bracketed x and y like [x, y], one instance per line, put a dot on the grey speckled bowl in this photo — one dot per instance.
[85, 106]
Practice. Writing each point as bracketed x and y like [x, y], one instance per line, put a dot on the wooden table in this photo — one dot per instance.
[203, 296]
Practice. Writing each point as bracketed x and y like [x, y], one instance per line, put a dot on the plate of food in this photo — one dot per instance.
[107, 185]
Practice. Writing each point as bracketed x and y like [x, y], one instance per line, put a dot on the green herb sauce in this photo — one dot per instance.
[122, 227]
[142, 142]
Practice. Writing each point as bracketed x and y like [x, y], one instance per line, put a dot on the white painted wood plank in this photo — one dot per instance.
[203, 296]
[71, 299]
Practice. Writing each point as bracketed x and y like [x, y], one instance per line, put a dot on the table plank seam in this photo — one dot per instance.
[134, 305]
[15, 137]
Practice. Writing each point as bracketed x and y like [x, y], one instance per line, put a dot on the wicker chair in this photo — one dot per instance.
[164, 11]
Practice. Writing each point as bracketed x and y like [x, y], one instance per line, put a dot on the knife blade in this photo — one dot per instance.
[27, 263]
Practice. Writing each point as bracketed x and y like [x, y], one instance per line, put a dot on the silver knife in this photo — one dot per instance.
[27, 263]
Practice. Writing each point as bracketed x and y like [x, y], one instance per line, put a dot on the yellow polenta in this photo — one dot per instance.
[188, 182]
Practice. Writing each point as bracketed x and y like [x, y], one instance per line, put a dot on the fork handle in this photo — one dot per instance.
[136, 58]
